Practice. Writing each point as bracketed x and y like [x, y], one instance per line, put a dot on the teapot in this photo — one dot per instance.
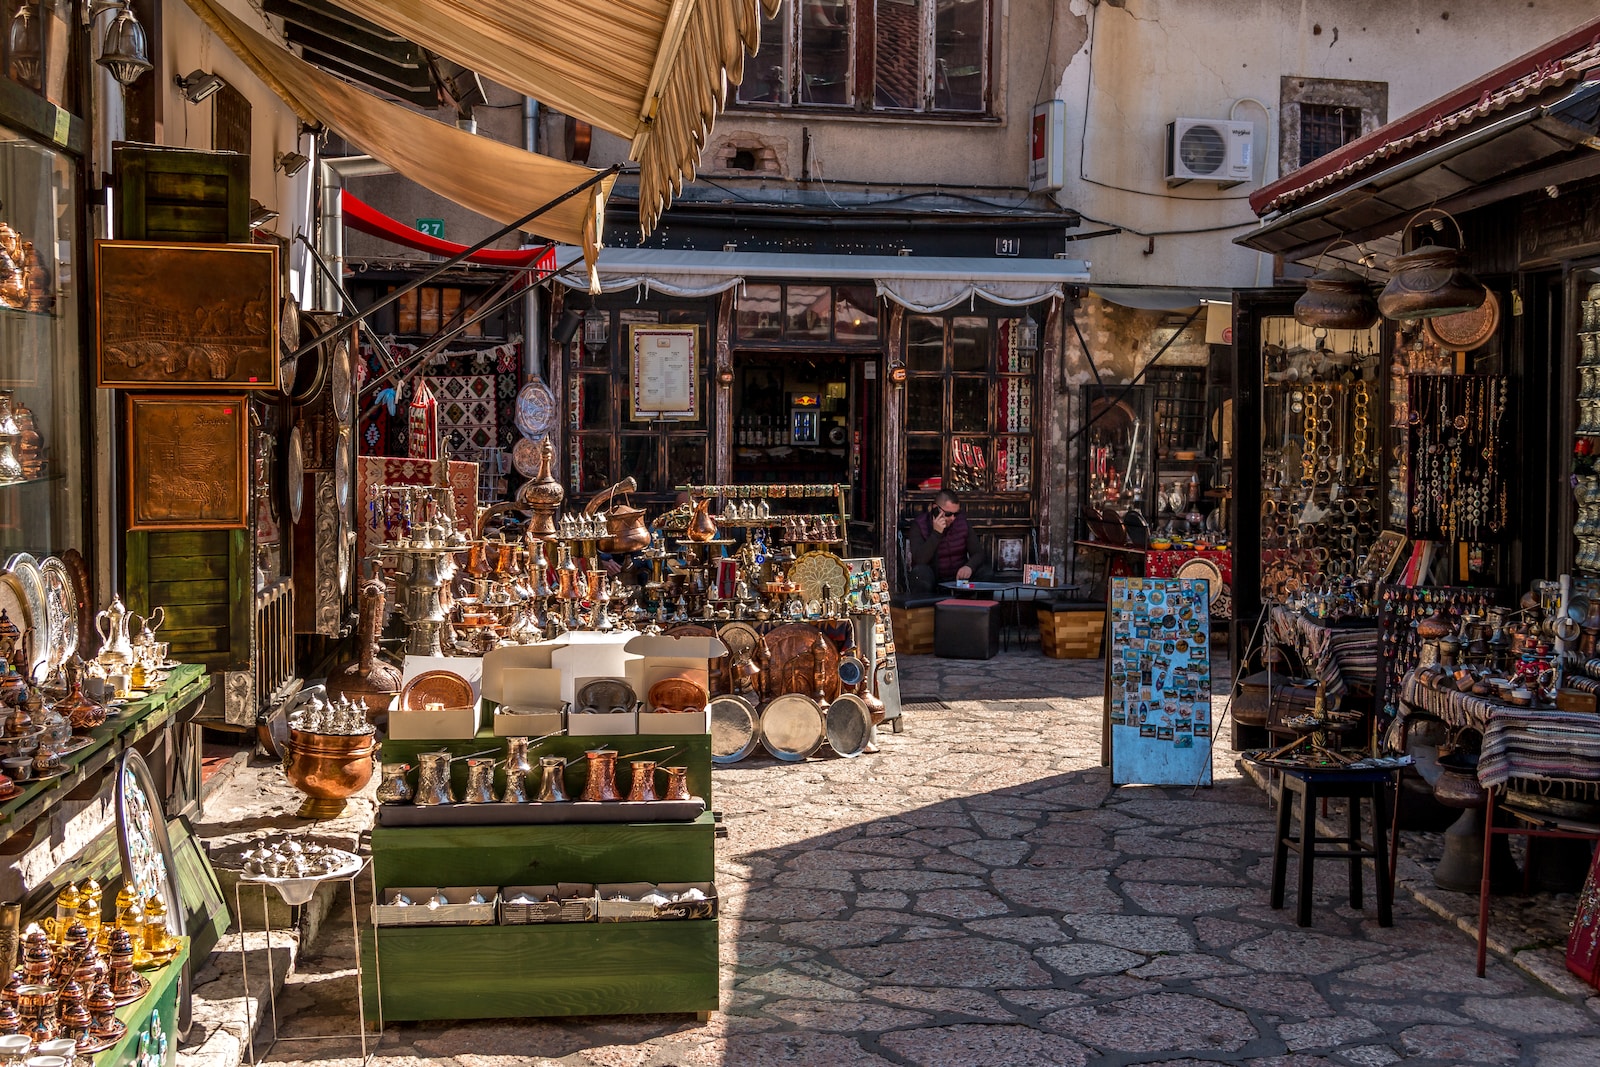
[625, 528]
[148, 624]
[112, 626]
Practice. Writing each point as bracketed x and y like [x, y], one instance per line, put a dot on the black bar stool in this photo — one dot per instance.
[1311, 785]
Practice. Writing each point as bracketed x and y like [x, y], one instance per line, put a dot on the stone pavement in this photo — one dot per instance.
[978, 894]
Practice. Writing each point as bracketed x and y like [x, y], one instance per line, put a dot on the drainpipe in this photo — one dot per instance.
[332, 174]
[533, 343]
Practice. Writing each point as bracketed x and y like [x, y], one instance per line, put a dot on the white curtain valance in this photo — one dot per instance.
[928, 295]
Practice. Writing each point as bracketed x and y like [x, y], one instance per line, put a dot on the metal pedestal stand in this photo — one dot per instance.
[296, 892]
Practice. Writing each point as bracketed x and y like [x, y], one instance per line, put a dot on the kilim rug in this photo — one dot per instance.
[467, 416]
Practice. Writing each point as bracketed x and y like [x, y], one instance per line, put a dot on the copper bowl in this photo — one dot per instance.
[328, 769]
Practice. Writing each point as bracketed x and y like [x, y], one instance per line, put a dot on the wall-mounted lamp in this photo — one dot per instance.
[596, 327]
[897, 372]
[125, 50]
[292, 163]
[199, 85]
[260, 214]
[25, 43]
[566, 329]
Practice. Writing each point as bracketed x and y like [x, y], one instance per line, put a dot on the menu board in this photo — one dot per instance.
[1159, 687]
[665, 372]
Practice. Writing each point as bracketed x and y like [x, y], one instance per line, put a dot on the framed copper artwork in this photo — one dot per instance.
[187, 463]
[197, 316]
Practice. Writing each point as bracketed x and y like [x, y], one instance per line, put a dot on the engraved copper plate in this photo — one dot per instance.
[689, 629]
[1465, 330]
[187, 465]
[196, 316]
[341, 471]
[677, 693]
[525, 456]
[792, 727]
[436, 687]
[800, 660]
[739, 637]
[815, 571]
[606, 694]
[536, 410]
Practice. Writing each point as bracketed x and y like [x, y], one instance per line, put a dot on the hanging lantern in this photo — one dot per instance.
[1027, 334]
[1431, 280]
[596, 327]
[1337, 299]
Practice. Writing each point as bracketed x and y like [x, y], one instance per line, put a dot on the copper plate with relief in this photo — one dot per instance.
[800, 659]
[525, 456]
[816, 571]
[535, 410]
[739, 637]
[1465, 330]
[297, 476]
[1203, 570]
[436, 687]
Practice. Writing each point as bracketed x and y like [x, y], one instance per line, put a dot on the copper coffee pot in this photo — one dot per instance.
[643, 786]
[625, 528]
[369, 678]
[602, 781]
[677, 783]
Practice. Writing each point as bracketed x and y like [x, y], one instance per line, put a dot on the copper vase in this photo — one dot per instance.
[369, 677]
[328, 769]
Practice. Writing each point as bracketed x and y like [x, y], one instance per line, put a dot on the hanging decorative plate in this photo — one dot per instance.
[343, 371]
[61, 600]
[436, 687]
[733, 729]
[142, 839]
[814, 570]
[297, 476]
[72, 559]
[347, 540]
[536, 409]
[42, 645]
[792, 727]
[1465, 330]
[341, 470]
[525, 456]
[801, 660]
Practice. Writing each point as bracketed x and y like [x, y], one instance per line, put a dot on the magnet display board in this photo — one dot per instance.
[1159, 687]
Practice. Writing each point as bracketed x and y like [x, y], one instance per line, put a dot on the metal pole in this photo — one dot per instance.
[338, 287]
[460, 257]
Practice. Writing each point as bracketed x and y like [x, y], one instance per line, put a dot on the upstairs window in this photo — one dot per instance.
[903, 56]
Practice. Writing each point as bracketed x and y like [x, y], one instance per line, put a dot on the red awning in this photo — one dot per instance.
[360, 215]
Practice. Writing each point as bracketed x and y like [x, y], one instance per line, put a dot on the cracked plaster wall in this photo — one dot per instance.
[1155, 60]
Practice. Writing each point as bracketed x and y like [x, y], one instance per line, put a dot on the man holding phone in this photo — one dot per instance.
[944, 547]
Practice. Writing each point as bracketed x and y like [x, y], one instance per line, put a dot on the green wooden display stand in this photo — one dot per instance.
[163, 997]
[555, 969]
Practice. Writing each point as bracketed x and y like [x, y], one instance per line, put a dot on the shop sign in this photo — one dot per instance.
[431, 227]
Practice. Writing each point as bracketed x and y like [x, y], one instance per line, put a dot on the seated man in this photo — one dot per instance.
[944, 547]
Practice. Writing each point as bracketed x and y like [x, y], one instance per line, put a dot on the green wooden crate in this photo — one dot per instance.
[495, 972]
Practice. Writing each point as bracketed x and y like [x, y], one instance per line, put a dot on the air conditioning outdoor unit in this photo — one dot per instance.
[1209, 150]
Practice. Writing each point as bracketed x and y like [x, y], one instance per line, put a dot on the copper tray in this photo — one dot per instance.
[677, 693]
[800, 660]
[689, 629]
[436, 687]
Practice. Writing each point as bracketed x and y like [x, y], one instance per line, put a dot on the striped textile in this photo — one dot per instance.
[1336, 656]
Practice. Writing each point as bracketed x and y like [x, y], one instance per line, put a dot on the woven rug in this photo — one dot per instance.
[467, 416]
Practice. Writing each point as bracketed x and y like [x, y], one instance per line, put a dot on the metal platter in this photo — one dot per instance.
[72, 559]
[849, 726]
[61, 601]
[343, 371]
[297, 476]
[347, 541]
[801, 660]
[1201, 568]
[606, 694]
[814, 570]
[733, 729]
[536, 409]
[1465, 330]
[341, 471]
[689, 629]
[439, 687]
[792, 727]
[142, 840]
[525, 456]
[42, 647]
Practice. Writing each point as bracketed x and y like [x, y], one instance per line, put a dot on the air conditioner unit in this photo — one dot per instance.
[1209, 150]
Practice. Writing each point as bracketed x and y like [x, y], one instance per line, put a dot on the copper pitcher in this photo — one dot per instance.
[433, 779]
[702, 527]
[480, 781]
[602, 782]
[625, 528]
[1431, 280]
[643, 786]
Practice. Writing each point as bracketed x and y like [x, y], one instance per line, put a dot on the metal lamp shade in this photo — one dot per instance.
[126, 51]
[1337, 299]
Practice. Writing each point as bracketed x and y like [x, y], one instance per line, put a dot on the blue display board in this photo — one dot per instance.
[1159, 686]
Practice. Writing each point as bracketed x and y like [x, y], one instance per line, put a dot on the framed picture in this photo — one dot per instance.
[664, 372]
[195, 316]
[1008, 552]
[1039, 574]
[187, 462]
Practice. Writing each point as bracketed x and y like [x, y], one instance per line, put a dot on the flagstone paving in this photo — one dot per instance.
[979, 894]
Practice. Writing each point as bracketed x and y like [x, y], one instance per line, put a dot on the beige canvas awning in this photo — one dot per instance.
[655, 72]
[483, 175]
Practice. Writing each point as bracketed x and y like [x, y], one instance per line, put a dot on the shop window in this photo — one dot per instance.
[1322, 115]
[42, 494]
[430, 308]
[806, 314]
[971, 381]
[920, 57]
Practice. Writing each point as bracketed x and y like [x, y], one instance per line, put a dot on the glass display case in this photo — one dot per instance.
[1586, 434]
[42, 476]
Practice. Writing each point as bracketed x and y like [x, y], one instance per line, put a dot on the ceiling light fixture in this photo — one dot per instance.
[125, 50]
[199, 85]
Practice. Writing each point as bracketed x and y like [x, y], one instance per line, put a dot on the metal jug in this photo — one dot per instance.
[643, 786]
[677, 783]
[517, 771]
[433, 779]
[552, 780]
[602, 781]
[480, 781]
[394, 789]
[112, 626]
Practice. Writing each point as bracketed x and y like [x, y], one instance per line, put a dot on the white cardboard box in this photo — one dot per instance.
[450, 724]
[532, 702]
[511, 657]
[655, 656]
[591, 655]
[682, 722]
[581, 725]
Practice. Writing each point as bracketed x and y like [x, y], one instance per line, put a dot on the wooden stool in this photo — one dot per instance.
[1311, 786]
[1072, 631]
[911, 619]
